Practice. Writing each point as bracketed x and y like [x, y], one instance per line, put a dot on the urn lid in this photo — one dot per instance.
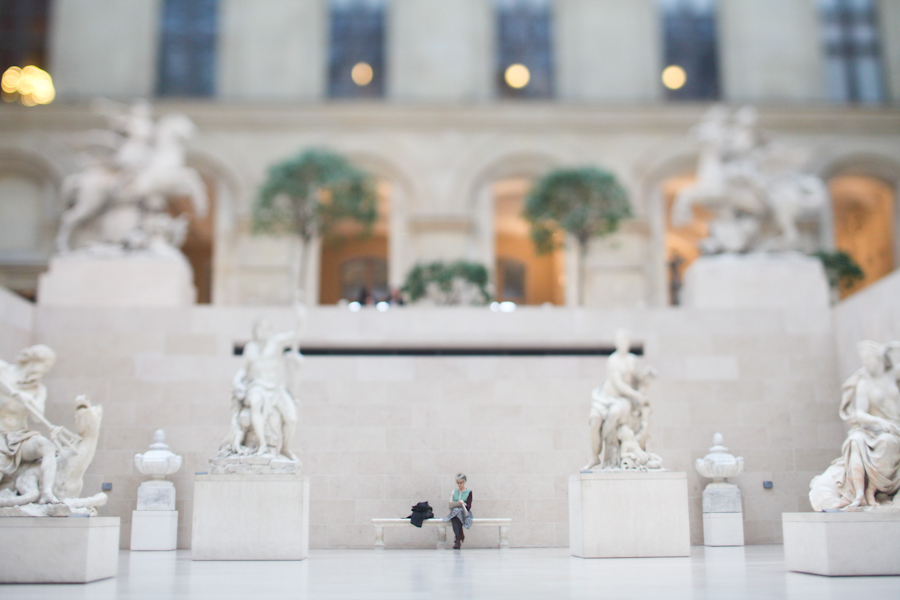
[718, 454]
[158, 460]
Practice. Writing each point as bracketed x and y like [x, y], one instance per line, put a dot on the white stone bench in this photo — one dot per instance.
[441, 526]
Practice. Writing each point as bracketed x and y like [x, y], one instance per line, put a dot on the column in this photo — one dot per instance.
[771, 50]
[608, 50]
[274, 50]
[440, 51]
[889, 21]
[104, 48]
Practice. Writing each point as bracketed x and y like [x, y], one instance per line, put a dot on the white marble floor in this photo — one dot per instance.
[753, 572]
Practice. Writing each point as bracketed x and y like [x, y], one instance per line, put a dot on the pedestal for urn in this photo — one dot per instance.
[843, 543]
[626, 514]
[723, 515]
[154, 525]
[760, 280]
[128, 280]
[58, 550]
[250, 516]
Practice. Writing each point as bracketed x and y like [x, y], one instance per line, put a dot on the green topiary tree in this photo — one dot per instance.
[585, 202]
[455, 283]
[841, 270]
[307, 196]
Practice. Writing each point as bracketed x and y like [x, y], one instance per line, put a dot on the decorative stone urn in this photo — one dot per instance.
[154, 525]
[723, 523]
[159, 461]
[719, 465]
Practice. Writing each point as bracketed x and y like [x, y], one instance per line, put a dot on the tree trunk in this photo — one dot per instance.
[302, 269]
[582, 271]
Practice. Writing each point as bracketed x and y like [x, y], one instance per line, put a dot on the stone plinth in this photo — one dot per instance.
[788, 280]
[622, 514]
[250, 517]
[154, 529]
[58, 550]
[139, 280]
[852, 543]
[156, 495]
[723, 517]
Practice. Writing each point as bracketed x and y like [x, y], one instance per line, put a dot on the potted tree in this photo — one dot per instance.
[586, 202]
[307, 196]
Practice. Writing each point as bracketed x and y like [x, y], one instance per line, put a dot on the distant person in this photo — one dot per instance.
[396, 298]
[365, 298]
[460, 516]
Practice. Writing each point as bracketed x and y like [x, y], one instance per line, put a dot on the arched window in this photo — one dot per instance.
[356, 56]
[852, 50]
[690, 49]
[187, 48]
[23, 33]
[864, 224]
[521, 275]
[524, 49]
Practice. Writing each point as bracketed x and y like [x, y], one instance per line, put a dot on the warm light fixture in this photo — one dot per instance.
[517, 76]
[674, 77]
[30, 86]
[362, 74]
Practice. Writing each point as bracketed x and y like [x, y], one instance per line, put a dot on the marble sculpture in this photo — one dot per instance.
[620, 414]
[264, 412]
[41, 475]
[867, 475]
[751, 185]
[119, 201]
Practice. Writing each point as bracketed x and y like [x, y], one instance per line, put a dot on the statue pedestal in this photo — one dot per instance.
[788, 280]
[154, 529]
[250, 517]
[137, 280]
[723, 517]
[628, 514]
[58, 550]
[842, 544]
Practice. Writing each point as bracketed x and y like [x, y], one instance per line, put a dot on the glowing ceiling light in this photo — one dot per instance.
[30, 86]
[517, 76]
[362, 74]
[674, 77]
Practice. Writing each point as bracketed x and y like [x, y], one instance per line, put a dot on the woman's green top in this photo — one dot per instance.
[460, 496]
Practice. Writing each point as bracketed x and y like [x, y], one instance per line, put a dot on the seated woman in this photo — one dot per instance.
[460, 510]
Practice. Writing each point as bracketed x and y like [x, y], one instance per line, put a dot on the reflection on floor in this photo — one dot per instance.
[722, 573]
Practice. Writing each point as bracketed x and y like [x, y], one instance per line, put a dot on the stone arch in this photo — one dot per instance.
[868, 164]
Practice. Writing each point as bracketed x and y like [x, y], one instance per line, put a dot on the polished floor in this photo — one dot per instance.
[753, 572]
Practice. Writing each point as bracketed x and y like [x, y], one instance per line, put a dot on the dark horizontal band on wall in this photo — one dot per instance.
[453, 351]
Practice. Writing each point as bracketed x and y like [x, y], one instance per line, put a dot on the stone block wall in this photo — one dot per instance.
[16, 323]
[378, 434]
[870, 314]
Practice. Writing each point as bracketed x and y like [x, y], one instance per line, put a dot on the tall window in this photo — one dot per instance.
[187, 50]
[691, 49]
[23, 33]
[524, 49]
[356, 57]
[852, 49]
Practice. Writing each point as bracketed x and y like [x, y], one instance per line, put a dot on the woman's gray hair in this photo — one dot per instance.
[461, 477]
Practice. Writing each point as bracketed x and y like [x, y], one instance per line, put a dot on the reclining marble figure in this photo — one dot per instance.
[42, 475]
[867, 474]
[620, 414]
[264, 412]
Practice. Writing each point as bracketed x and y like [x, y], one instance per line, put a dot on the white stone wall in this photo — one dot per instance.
[608, 50]
[104, 48]
[889, 14]
[275, 53]
[378, 434]
[16, 324]
[438, 51]
[870, 314]
[771, 50]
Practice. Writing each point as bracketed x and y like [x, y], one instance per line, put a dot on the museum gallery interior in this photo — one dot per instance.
[431, 299]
